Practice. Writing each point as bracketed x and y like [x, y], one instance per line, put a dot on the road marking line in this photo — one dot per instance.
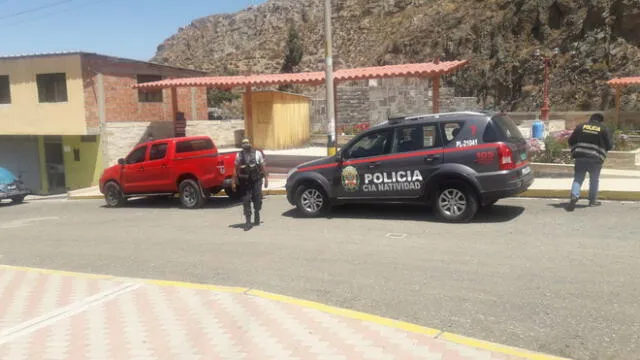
[56, 272]
[396, 236]
[35, 324]
[347, 313]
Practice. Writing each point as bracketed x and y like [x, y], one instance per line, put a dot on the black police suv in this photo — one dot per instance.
[456, 162]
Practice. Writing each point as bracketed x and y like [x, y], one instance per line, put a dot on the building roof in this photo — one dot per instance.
[310, 78]
[625, 81]
[86, 53]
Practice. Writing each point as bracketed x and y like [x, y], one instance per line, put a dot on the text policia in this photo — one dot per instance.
[393, 181]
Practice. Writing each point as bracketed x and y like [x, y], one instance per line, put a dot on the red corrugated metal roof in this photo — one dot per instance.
[406, 70]
[310, 78]
[634, 80]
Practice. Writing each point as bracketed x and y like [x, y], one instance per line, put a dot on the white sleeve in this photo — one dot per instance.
[259, 157]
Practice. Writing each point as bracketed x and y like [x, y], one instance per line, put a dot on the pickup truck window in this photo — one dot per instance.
[137, 156]
[193, 145]
[158, 151]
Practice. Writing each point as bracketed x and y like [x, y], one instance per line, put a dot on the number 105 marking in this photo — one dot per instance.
[485, 156]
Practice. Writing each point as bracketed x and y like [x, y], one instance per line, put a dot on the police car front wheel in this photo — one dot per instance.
[311, 200]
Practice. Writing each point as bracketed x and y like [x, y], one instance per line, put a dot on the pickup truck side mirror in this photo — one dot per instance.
[121, 161]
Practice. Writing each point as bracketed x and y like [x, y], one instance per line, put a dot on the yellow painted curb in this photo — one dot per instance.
[396, 324]
[502, 349]
[602, 195]
[347, 313]
[186, 285]
[56, 272]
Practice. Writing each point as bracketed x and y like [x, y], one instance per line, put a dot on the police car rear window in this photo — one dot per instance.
[507, 127]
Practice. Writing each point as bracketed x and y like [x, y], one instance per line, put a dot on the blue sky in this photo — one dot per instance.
[125, 28]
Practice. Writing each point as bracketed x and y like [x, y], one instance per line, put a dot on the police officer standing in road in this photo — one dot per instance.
[590, 142]
[249, 175]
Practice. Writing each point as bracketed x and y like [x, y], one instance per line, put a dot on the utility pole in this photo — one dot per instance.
[331, 127]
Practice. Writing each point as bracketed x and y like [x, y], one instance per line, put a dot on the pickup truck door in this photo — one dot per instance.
[133, 175]
[157, 171]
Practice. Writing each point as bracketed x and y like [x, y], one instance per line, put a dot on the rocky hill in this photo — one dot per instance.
[597, 39]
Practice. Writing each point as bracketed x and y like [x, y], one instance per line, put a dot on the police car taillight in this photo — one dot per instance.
[505, 157]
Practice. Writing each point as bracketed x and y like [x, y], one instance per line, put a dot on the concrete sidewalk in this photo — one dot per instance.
[622, 189]
[60, 315]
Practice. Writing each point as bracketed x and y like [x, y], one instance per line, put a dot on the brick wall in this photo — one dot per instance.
[121, 100]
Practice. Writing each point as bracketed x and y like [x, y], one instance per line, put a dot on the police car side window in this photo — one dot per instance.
[374, 144]
[414, 138]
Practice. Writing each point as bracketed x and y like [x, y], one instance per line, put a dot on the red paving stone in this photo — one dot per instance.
[52, 316]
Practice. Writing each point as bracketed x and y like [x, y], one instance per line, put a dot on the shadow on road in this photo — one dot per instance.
[495, 214]
[9, 203]
[165, 202]
[563, 205]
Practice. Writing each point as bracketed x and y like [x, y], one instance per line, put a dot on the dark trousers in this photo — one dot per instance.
[582, 167]
[252, 192]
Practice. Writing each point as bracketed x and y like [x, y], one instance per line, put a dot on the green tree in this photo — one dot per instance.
[293, 54]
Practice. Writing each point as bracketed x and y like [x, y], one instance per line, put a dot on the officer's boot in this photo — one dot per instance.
[247, 224]
[257, 220]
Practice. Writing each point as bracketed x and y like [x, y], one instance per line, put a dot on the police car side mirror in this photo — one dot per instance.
[121, 161]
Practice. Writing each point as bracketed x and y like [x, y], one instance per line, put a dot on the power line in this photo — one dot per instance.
[35, 9]
[51, 13]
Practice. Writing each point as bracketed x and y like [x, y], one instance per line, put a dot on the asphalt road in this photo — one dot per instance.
[525, 274]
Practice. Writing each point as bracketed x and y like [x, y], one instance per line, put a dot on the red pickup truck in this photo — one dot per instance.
[189, 166]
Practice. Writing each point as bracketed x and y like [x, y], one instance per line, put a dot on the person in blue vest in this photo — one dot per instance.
[251, 172]
[590, 142]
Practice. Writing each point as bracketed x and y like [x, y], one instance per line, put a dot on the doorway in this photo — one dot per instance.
[54, 161]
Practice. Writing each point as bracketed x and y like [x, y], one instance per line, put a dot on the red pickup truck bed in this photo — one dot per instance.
[189, 166]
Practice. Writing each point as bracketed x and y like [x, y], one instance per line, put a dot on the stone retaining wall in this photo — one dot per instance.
[225, 133]
[119, 138]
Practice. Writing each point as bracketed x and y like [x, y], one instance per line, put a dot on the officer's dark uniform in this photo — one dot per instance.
[590, 142]
[250, 178]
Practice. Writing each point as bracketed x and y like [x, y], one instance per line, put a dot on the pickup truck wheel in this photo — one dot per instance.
[311, 200]
[17, 199]
[456, 202]
[190, 194]
[113, 195]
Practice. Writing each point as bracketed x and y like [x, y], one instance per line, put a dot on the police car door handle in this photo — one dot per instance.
[374, 165]
[431, 158]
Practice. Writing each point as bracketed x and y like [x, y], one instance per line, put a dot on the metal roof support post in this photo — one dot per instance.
[248, 114]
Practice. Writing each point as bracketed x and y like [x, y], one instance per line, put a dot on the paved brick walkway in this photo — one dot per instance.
[49, 315]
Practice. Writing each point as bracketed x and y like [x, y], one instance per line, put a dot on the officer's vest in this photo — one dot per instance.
[590, 144]
[249, 169]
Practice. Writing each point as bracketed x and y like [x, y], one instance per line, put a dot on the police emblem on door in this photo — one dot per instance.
[350, 179]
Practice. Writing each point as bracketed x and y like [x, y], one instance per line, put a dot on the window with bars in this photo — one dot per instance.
[52, 88]
[5, 90]
[149, 95]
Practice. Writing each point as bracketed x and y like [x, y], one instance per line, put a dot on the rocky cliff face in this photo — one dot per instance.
[597, 39]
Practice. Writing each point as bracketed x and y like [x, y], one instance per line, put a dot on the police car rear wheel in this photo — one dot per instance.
[311, 200]
[456, 203]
